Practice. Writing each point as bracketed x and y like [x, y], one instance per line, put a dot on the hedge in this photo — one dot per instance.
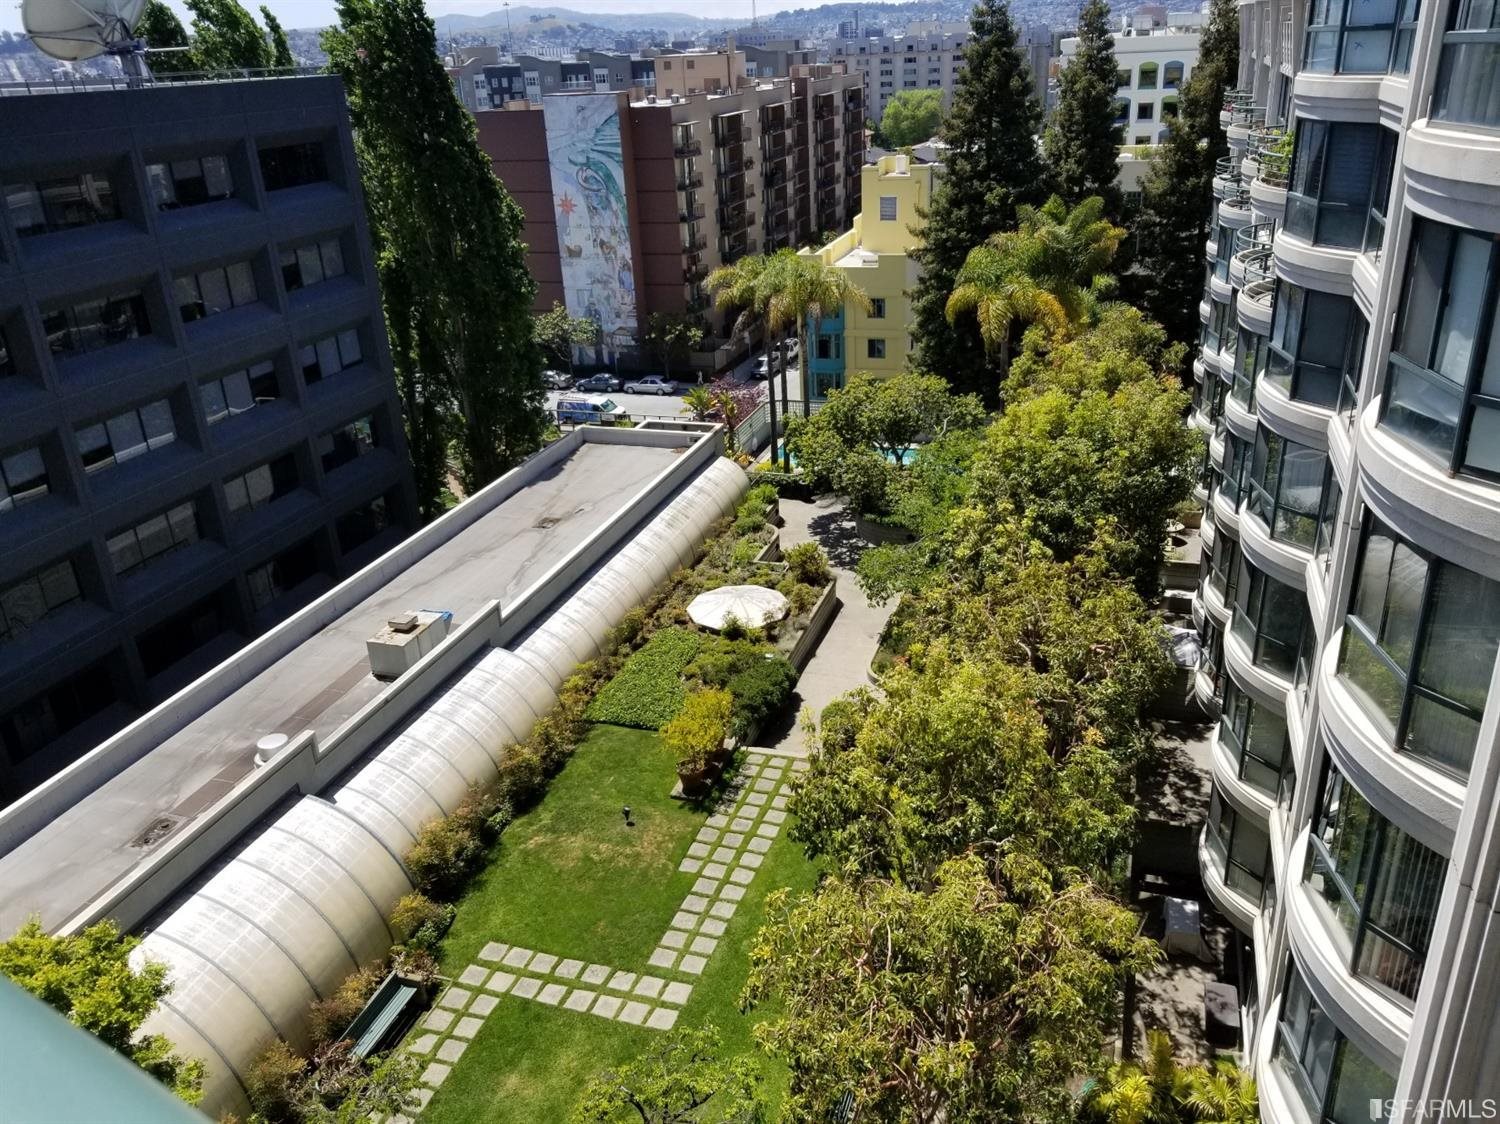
[648, 691]
[760, 691]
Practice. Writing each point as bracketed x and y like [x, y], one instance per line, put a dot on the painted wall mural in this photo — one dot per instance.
[593, 226]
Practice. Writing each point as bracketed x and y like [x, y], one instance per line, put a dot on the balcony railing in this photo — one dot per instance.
[693, 273]
[685, 149]
[691, 214]
[690, 182]
[694, 244]
[1269, 149]
[1288, 45]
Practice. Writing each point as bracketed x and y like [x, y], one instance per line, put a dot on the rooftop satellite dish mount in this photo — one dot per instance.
[75, 30]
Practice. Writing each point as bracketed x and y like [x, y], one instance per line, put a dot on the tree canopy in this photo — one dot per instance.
[448, 242]
[558, 332]
[910, 117]
[87, 977]
[681, 1077]
[1082, 139]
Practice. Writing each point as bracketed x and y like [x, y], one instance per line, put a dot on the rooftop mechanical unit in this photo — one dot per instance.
[404, 640]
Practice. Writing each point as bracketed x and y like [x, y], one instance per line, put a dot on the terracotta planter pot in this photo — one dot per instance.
[696, 783]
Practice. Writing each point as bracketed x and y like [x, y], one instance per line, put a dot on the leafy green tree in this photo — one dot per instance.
[812, 291]
[1082, 139]
[992, 167]
[753, 285]
[858, 444]
[281, 50]
[1177, 195]
[161, 29]
[681, 1077]
[911, 117]
[1158, 1090]
[1048, 271]
[452, 261]
[1225, 1094]
[87, 977]
[700, 402]
[975, 1000]
[672, 336]
[558, 333]
[226, 36]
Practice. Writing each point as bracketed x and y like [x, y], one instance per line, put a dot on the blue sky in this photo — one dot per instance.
[316, 13]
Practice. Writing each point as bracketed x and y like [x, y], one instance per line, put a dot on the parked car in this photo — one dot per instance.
[762, 368]
[651, 384]
[557, 380]
[599, 382]
[589, 409]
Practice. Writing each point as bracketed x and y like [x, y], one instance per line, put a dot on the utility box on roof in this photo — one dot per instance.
[404, 640]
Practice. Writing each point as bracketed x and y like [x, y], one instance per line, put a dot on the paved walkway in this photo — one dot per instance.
[842, 660]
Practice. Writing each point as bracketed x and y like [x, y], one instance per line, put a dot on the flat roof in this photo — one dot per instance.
[319, 684]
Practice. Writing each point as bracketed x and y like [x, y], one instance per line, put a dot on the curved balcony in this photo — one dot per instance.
[1238, 905]
[1452, 172]
[1252, 251]
[1254, 305]
[1244, 117]
[1234, 208]
[1227, 766]
[1284, 561]
[1213, 603]
[1301, 422]
[1458, 517]
[1271, 159]
[1240, 419]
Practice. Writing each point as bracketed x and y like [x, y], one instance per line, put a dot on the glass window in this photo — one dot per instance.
[1341, 171]
[1213, 330]
[1257, 737]
[1378, 884]
[1269, 619]
[1468, 85]
[292, 165]
[357, 527]
[1443, 393]
[1251, 363]
[1147, 76]
[39, 721]
[152, 538]
[1419, 647]
[329, 355]
[1359, 36]
[1223, 567]
[45, 206]
[7, 358]
[1172, 76]
[23, 478]
[120, 438]
[1328, 518]
[1336, 1082]
[190, 182]
[95, 324]
[877, 308]
[307, 265]
[1240, 848]
[875, 349]
[346, 443]
[262, 484]
[1286, 487]
[215, 290]
[887, 208]
[282, 574]
[23, 603]
[1232, 478]
[1317, 344]
[238, 391]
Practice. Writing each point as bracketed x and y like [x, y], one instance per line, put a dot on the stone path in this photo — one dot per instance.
[725, 856]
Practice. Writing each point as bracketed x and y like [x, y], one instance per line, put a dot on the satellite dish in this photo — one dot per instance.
[74, 30]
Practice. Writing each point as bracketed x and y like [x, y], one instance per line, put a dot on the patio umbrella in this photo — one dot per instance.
[751, 605]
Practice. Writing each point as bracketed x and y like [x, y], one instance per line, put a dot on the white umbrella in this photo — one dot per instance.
[751, 605]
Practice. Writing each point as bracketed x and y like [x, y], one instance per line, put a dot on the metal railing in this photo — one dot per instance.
[64, 83]
[1272, 164]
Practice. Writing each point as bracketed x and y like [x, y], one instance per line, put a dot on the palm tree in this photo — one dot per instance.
[1151, 1091]
[750, 284]
[813, 290]
[699, 400]
[1225, 1094]
[1048, 271]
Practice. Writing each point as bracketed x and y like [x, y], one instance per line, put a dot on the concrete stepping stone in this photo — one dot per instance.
[634, 1013]
[418, 1100]
[689, 866]
[707, 834]
[724, 855]
[500, 982]
[552, 994]
[768, 830]
[715, 870]
[663, 1018]
[733, 893]
[704, 946]
[677, 993]
[527, 987]
[649, 987]
[778, 803]
[455, 997]
[757, 798]
[692, 965]
[706, 885]
[713, 927]
[517, 957]
[621, 981]
[752, 860]
[733, 839]
[595, 974]
[760, 845]
[694, 903]
[800, 765]
[741, 876]
[699, 850]
[684, 920]
[569, 969]
[663, 957]
[755, 758]
[468, 1027]
[423, 1044]
[435, 1074]
[742, 824]
[452, 1050]
[493, 951]
[765, 784]
[673, 938]
[718, 820]
[474, 975]
[542, 965]
[579, 999]
[438, 1021]
[483, 1005]
[723, 910]
[775, 815]
[606, 1006]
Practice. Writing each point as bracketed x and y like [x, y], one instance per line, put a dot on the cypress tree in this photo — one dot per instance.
[226, 37]
[452, 264]
[992, 166]
[281, 50]
[160, 28]
[1177, 207]
[1083, 139]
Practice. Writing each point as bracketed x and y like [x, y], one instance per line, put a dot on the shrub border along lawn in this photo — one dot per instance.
[648, 691]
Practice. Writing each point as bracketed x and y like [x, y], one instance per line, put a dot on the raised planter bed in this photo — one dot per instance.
[817, 624]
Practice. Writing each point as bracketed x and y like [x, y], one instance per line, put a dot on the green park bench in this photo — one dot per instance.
[385, 1016]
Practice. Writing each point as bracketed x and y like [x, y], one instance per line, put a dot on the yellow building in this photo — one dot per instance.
[876, 255]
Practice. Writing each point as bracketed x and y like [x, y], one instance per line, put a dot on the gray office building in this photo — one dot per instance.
[199, 430]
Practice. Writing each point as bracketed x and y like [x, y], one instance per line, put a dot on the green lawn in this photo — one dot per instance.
[571, 879]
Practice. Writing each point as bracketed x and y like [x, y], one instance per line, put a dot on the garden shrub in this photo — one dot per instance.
[734, 628]
[803, 597]
[272, 1081]
[699, 729]
[749, 523]
[447, 852]
[807, 563]
[759, 498]
[648, 691]
[719, 660]
[745, 552]
[328, 1018]
[418, 922]
[760, 691]
[631, 625]
[522, 779]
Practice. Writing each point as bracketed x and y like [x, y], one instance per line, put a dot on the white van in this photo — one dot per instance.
[589, 409]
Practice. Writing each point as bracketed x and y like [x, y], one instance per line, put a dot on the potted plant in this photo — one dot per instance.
[696, 735]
